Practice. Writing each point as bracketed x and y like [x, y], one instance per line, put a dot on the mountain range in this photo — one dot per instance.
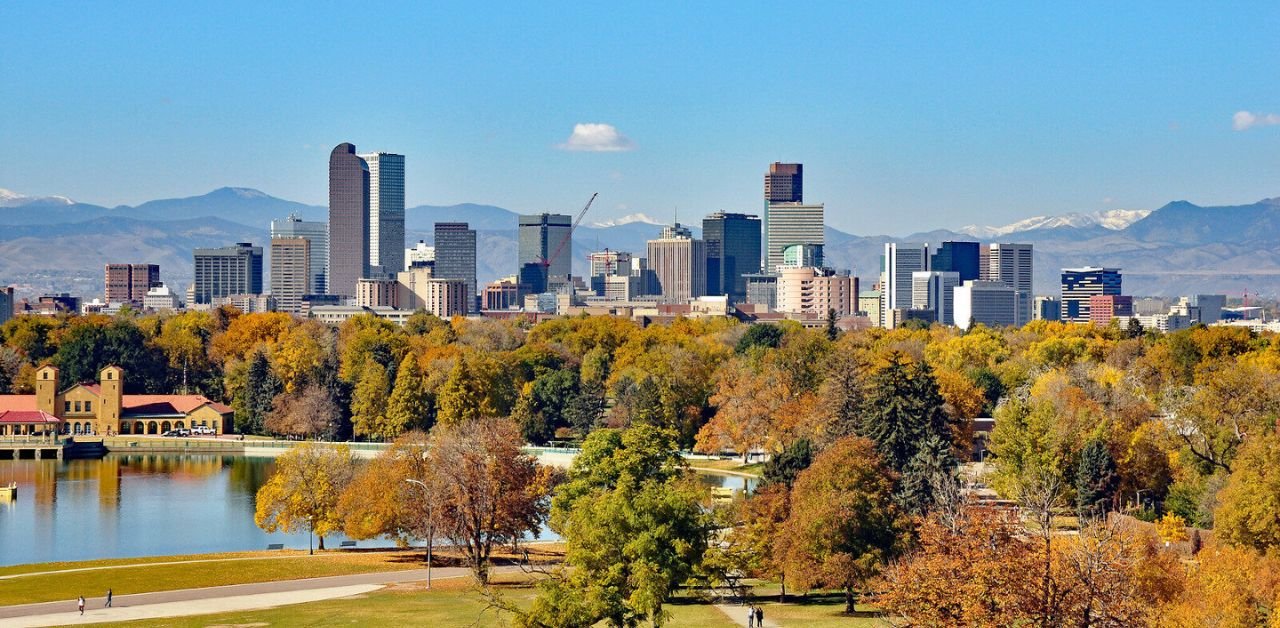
[57, 244]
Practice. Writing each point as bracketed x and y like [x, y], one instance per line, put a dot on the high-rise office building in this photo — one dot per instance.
[386, 210]
[1210, 306]
[1046, 308]
[455, 244]
[291, 272]
[225, 271]
[317, 235]
[959, 257]
[932, 290]
[348, 220]
[990, 303]
[129, 283]
[540, 237]
[784, 183]
[1011, 264]
[790, 223]
[733, 251]
[680, 265]
[802, 256]
[1079, 284]
[6, 303]
[896, 266]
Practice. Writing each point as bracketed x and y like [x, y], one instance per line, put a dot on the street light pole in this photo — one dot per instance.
[311, 532]
[431, 528]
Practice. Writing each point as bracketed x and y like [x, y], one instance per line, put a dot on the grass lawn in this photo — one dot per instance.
[730, 464]
[145, 577]
[450, 603]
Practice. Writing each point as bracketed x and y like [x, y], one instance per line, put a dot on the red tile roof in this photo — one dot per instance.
[26, 417]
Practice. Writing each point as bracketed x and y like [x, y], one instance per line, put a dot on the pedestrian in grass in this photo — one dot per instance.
[80, 603]
[108, 598]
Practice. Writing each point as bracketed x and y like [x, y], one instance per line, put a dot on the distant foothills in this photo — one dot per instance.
[55, 244]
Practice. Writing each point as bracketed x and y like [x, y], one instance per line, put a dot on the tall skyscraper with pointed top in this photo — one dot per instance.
[348, 220]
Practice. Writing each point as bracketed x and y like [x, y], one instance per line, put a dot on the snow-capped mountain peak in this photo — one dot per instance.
[9, 198]
[1114, 219]
[626, 220]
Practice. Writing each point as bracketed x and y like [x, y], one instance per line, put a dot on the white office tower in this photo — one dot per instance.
[317, 236]
[931, 290]
[1011, 264]
[679, 264]
[787, 224]
[991, 303]
[386, 210]
[420, 255]
[896, 266]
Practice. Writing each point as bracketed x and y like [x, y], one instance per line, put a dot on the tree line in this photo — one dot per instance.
[1175, 428]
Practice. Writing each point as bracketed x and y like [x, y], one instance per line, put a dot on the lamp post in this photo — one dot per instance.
[311, 530]
[431, 527]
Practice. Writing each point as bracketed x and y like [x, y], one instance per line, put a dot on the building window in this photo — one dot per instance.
[66, 407]
[77, 406]
[88, 406]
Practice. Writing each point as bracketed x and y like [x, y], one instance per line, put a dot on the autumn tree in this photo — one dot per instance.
[965, 571]
[843, 524]
[746, 403]
[309, 412]
[633, 530]
[410, 405]
[369, 403]
[303, 492]
[380, 500]
[490, 492]
[1249, 510]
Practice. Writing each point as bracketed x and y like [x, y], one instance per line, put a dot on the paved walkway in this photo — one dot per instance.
[738, 614]
[234, 597]
[167, 562]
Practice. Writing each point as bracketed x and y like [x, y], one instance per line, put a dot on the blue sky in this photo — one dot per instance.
[907, 116]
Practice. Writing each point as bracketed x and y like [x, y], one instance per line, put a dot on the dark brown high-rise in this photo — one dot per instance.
[348, 220]
[129, 283]
[784, 183]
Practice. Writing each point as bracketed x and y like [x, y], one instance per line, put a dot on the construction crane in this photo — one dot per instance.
[546, 264]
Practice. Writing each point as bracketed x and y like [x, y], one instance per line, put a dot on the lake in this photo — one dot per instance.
[148, 505]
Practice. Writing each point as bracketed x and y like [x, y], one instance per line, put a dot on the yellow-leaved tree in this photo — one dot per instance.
[303, 493]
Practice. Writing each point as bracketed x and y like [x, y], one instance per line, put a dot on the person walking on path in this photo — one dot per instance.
[759, 617]
[80, 603]
[751, 616]
[108, 598]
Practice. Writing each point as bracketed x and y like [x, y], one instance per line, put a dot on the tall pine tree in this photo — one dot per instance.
[902, 409]
[410, 406]
[1095, 478]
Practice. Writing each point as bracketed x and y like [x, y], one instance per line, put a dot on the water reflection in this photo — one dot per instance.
[151, 504]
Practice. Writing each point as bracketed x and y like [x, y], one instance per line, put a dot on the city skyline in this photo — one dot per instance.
[1039, 119]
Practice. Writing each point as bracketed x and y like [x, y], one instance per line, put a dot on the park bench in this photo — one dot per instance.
[346, 544]
[276, 546]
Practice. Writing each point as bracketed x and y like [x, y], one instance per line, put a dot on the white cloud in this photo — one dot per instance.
[1248, 119]
[597, 137]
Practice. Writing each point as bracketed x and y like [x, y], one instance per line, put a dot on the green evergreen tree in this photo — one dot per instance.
[833, 332]
[410, 404]
[931, 470]
[903, 408]
[256, 397]
[760, 335]
[1095, 479]
[586, 409]
[784, 467]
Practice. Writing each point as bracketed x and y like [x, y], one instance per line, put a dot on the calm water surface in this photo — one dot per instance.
[148, 505]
